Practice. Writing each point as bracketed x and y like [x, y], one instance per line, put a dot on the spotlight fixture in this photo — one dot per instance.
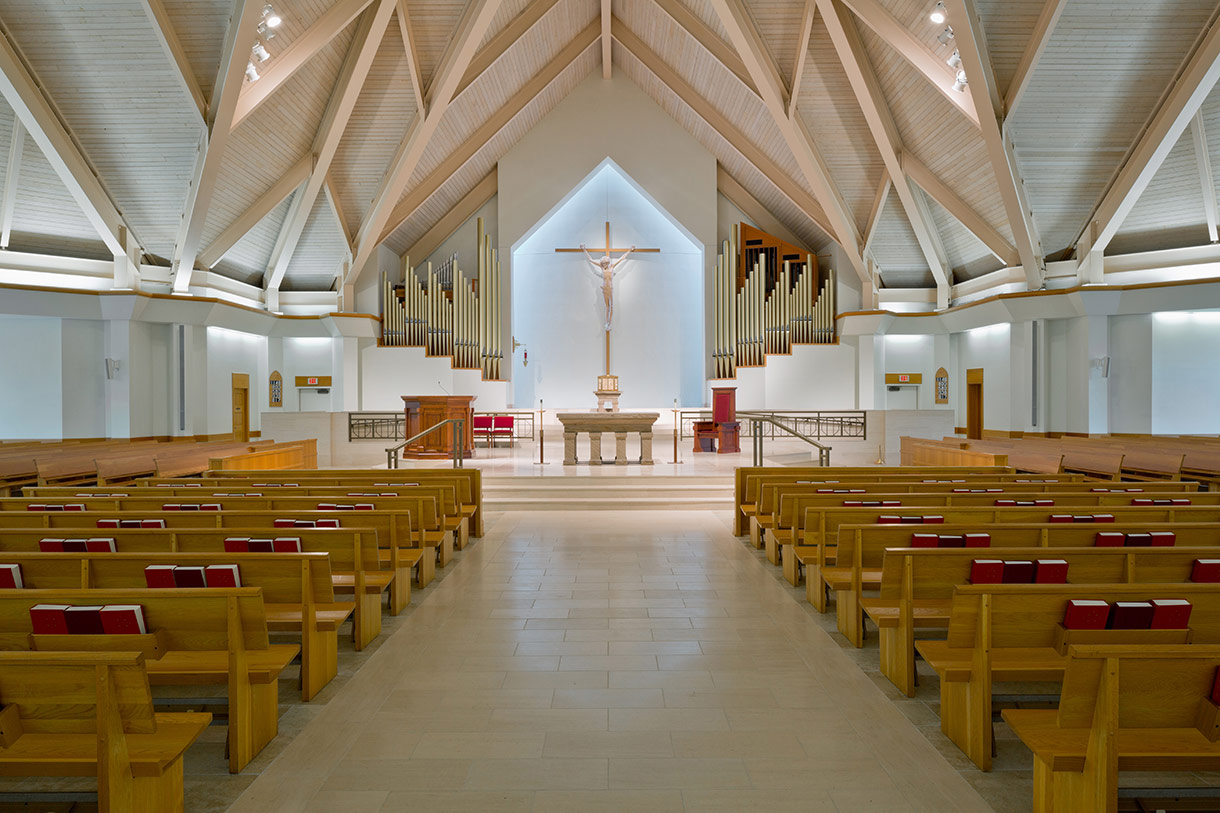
[955, 59]
[960, 84]
[945, 36]
[939, 13]
[260, 53]
[272, 19]
[251, 72]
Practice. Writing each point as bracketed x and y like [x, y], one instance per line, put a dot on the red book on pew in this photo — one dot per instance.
[886, 519]
[952, 541]
[1050, 571]
[1098, 518]
[326, 506]
[210, 506]
[1061, 518]
[931, 519]
[1206, 571]
[10, 577]
[189, 506]
[159, 576]
[100, 544]
[222, 576]
[108, 523]
[1018, 571]
[325, 523]
[35, 506]
[1004, 503]
[368, 506]
[49, 619]
[123, 619]
[74, 506]
[85, 619]
[345, 508]
[75, 546]
[287, 544]
[925, 541]
[1170, 614]
[284, 523]
[978, 540]
[986, 571]
[1163, 539]
[51, 545]
[1109, 539]
[171, 506]
[1139, 540]
[303, 523]
[151, 523]
[189, 577]
[237, 544]
[1086, 614]
[1130, 615]
[260, 546]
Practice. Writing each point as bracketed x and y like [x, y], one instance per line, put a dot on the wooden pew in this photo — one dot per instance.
[392, 529]
[91, 714]
[298, 595]
[1001, 633]
[352, 553]
[197, 638]
[1121, 708]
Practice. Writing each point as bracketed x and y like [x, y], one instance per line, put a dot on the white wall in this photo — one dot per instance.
[228, 352]
[813, 377]
[388, 373]
[1131, 373]
[31, 397]
[1185, 380]
[83, 368]
[989, 348]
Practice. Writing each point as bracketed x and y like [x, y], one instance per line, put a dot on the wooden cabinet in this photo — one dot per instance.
[423, 411]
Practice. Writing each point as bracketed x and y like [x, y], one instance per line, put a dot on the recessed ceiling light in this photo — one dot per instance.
[939, 13]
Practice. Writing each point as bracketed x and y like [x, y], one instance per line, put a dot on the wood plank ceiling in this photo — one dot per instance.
[117, 85]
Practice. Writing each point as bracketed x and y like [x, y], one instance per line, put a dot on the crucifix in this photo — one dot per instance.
[605, 267]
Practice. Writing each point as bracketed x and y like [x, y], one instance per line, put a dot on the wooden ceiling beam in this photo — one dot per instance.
[606, 43]
[750, 206]
[974, 223]
[336, 205]
[488, 129]
[370, 31]
[443, 229]
[288, 183]
[972, 47]
[239, 38]
[915, 52]
[1207, 179]
[283, 65]
[163, 28]
[408, 43]
[802, 52]
[863, 80]
[874, 215]
[505, 39]
[1186, 95]
[709, 39]
[470, 32]
[704, 109]
[12, 177]
[736, 21]
[1038, 40]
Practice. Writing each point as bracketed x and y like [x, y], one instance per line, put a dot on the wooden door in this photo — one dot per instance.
[241, 407]
[974, 403]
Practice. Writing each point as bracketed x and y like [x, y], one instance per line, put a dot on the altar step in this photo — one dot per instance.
[643, 493]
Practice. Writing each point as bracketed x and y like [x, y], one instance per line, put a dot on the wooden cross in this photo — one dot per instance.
[609, 252]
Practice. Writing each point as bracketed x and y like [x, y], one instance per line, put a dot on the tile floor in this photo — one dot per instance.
[609, 661]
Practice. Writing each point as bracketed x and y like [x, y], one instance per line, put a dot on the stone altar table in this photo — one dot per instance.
[595, 423]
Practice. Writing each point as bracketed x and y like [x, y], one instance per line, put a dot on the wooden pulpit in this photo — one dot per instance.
[423, 411]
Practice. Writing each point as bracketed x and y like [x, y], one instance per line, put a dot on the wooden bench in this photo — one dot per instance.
[1121, 708]
[298, 595]
[196, 638]
[91, 714]
[1014, 633]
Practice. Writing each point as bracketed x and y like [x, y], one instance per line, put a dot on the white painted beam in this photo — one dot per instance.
[1207, 180]
[273, 197]
[740, 197]
[282, 66]
[874, 215]
[864, 84]
[940, 192]
[606, 43]
[12, 178]
[239, 38]
[745, 39]
[1038, 40]
[408, 43]
[502, 41]
[167, 37]
[333, 197]
[802, 52]
[972, 47]
[363, 49]
[693, 25]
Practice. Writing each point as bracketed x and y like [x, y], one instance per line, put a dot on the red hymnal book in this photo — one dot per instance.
[1061, 518]
[100, 544]
[986, 571]
[1170, 613]
[210, 506]
[171, 506]
[222, 576]
[1206, 570]
[284, 523]
[1130, 615]
[123, 619]
[151, 523]
[1110, 539]
[925, 541]
[130, 523]
[108, 523]
[1086, 614]
[1097, 518]
[287, 544]
[1139, 540]
[159, 576]
[345, 508]
[35, 506]
[10, 577]
[952, 541]
[49, 619]
[978, 540]
[931, 519]
[1004, 503]
[51, 545]
[74, 506]
[260, 546]
[368, 506]
[189, 577]
[1050, 571]
[886, 519]
[324, 523]
[75, 545]
[237, 544]
[304, 523]
[84, 619]
[327, 506]
[1163, 539]
[1019, 571]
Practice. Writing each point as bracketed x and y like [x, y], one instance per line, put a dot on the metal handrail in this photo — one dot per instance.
[758, 419]
[459, 443]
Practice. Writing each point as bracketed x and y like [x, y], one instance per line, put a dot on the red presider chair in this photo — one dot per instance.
[502, 428]
[482, 428]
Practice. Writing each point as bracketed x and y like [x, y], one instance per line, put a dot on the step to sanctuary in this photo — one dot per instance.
[649, 493]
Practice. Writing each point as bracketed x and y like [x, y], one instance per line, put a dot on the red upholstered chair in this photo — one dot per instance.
[482, 428]
[502, 428]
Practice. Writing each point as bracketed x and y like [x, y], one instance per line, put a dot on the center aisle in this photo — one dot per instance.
[609, 660]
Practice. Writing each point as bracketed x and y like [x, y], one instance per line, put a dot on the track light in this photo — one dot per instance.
[272, 19]
[955, 59]
[259, 52]
[960, 84]
[946, 36]
[939, 13]
[251, 72]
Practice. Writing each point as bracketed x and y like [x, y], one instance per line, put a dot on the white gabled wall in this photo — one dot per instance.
[31, 399]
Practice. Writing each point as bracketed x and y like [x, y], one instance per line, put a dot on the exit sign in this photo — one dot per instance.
[904, 379]
[315, 381]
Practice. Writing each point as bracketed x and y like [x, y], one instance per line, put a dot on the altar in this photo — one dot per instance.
[597, 423]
